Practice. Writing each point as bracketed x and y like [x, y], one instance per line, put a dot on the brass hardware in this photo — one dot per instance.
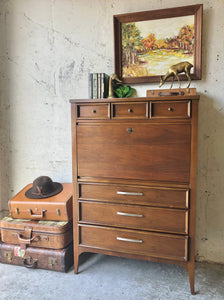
[170, 109]
[36, 209]
[130, 110]
[8, 255]
[17, 210]
[129, 215]
[93, 111]
[58, 212]
[52, 261]
[129, 193]
[129, 240]
[129, 130]
[113, 79]
[44, 238]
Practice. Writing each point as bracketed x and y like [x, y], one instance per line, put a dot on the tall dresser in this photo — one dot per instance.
[134, 176]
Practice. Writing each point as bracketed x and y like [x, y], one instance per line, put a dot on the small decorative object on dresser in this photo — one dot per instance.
[113, 79]
[182, 67]
[145, 207]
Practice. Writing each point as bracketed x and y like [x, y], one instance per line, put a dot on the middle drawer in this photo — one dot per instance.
[131, 110]
[134, 216]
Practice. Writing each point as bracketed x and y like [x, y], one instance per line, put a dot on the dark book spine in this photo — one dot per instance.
[95, 86]
[99, 85]
[106, 85]
[91, 85]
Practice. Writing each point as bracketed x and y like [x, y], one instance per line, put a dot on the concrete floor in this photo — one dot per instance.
[111, 278]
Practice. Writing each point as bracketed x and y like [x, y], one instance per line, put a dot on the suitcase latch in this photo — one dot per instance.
[8, 255]
[17, 210]
[58, 212]
[44, 238]
[52, 261]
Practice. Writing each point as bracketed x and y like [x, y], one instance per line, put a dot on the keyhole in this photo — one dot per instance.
[129, 130]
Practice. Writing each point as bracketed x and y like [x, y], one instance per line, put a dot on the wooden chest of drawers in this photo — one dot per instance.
[134, 176]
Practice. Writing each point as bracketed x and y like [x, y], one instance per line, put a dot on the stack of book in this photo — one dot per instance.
[98, 85]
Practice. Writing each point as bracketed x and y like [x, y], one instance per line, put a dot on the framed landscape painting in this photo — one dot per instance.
[147, 43]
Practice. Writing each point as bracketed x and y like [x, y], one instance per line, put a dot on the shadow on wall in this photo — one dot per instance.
[210, 188]
[4, 114]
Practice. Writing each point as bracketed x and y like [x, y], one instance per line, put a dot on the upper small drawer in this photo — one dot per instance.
[170, 109]
[131, 110]
[93, 111]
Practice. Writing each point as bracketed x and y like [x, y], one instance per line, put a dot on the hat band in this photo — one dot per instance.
[40, 192]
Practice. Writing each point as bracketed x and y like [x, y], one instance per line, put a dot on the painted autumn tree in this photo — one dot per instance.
[131, 43]
[149, 43]
[186, 37]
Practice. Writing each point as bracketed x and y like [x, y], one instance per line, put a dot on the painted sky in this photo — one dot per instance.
[164, 28]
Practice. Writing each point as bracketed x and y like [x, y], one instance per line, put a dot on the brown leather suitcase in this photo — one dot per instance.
[55, 208]
[37, 258]
[46, 234]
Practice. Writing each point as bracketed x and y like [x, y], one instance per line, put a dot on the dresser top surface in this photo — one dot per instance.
[137, 99]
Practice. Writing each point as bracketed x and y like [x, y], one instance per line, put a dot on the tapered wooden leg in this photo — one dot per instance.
[76, 262]
[191, 274]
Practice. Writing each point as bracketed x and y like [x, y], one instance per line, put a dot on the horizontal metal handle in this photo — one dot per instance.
[129, 193]
[129, 215]
[128, 240]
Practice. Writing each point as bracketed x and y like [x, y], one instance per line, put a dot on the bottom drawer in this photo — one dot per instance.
[167, 246]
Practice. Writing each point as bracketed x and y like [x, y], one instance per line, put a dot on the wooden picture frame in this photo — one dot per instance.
[141, 58]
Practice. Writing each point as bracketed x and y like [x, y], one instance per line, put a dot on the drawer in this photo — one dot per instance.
[93, 111]
[170, 109]
[135, 242]
[134, 216]
[162, 197]
[138, 110]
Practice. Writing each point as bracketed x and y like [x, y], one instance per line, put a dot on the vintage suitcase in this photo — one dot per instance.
[37, 258]
[55, 208]
[32, 233]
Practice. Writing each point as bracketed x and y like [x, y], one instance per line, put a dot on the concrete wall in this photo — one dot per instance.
[47, 49]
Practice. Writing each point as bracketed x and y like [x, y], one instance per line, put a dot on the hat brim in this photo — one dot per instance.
[58, 187]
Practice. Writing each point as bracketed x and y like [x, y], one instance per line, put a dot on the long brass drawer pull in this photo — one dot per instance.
[129, 215]
[129, 193]
[128, 240]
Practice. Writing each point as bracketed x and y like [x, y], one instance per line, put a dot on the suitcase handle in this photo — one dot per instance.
[37, 216]
[27, 240]
[30, 266]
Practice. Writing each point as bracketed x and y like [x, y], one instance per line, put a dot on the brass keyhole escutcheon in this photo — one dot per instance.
[129, 130]
[130, 110]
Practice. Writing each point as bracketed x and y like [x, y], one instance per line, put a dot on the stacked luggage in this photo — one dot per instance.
[38, 233]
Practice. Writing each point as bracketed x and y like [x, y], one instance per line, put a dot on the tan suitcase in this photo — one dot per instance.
[37, 258]
[31, 233]
[55, 208]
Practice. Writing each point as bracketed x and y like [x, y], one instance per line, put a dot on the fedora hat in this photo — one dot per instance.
[43, 187]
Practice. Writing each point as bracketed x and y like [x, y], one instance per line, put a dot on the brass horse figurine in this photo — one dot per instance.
[184, 66]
